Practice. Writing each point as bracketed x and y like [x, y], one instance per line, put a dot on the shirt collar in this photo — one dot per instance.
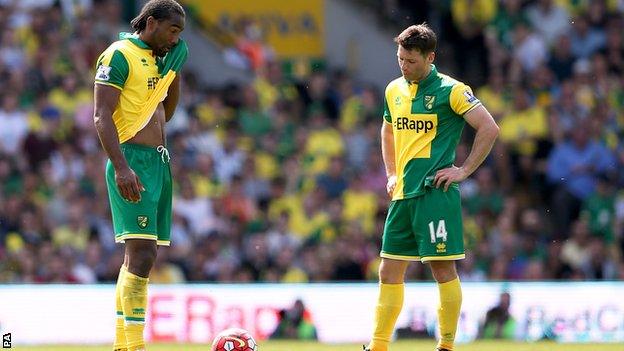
[134, 38]
[430, 78]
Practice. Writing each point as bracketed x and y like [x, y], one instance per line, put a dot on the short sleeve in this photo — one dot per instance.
[462, 100]
[112, 69]
[386, 112]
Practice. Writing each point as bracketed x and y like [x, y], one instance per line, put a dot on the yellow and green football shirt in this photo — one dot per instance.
[427, 122]
[130, 66]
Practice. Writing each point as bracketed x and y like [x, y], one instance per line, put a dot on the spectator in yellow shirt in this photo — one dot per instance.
[69, 96]
[322, 143]
[360, 205]
[524, 125]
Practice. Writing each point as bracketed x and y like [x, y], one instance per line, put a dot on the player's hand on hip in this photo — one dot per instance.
[390, 185]
[447, 176]
[129, 184]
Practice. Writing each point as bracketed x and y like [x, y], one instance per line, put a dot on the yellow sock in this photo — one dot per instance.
[134, 302]
[120, 334]
[448, 312]
[389, 306]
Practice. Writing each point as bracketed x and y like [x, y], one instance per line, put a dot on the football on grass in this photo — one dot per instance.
[234, 339]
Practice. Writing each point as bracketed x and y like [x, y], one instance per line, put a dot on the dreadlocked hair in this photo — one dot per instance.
[159, 9]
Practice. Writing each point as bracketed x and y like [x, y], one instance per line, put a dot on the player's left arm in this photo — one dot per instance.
[486, 133]
[171, 101]
[174, 61]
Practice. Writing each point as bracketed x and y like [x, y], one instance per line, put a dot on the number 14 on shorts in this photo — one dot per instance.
[440, 232]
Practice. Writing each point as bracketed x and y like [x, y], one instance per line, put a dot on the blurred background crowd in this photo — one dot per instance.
[280, 178]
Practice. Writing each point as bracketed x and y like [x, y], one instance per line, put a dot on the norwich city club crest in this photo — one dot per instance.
[429, 100]
[142, 221]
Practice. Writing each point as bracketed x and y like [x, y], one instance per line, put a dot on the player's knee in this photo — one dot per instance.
[143, 263]
[391, 273]
[443, 271]
[141, 260]
[390, 279]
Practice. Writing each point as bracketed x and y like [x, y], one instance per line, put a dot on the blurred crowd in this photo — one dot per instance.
[281, 179]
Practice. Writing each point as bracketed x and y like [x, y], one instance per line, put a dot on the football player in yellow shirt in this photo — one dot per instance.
[136, 92]
[424, 115]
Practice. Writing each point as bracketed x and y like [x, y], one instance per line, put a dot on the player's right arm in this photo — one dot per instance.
[387, 150]
[106, 100]
[112, 72]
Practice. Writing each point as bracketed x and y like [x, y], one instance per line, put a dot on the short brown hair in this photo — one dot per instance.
[419, 37]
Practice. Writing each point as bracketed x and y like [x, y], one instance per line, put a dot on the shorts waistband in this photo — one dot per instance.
[159, 150]
[139, 147]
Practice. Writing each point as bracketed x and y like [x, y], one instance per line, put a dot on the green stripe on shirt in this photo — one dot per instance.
[115, 71]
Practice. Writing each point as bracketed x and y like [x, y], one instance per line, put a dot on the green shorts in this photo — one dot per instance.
[425, 228]
[150, 218]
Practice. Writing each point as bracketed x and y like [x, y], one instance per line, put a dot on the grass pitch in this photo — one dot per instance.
[427, 345]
